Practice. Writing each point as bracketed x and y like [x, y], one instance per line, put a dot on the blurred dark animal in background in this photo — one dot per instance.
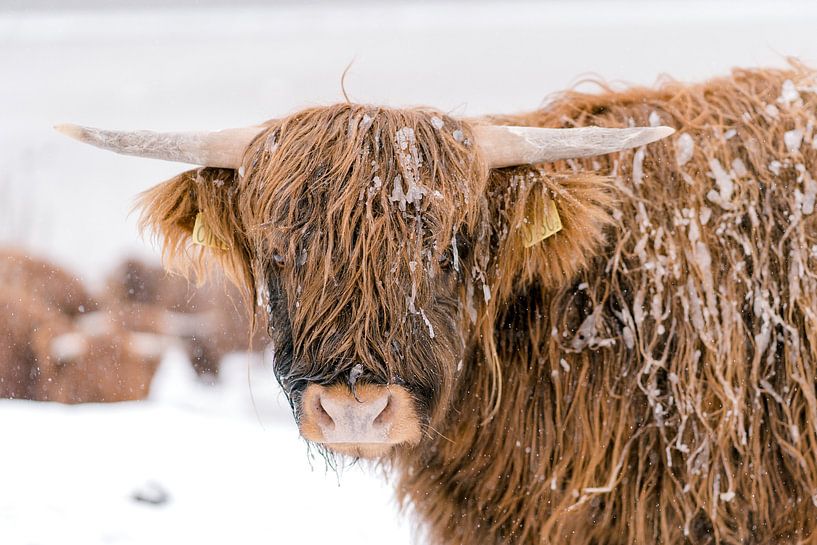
[81, 366]
[60, 343]
[53, 348]
[39, 280]
[208, 320]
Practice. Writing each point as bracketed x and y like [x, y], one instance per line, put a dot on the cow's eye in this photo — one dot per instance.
[278, 260]
[446, 260]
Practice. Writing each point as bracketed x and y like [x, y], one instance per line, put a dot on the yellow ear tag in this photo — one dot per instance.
[542, 221]
[203, 237]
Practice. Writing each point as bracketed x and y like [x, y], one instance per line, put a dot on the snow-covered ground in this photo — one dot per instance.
[221, 467]
[234, 471]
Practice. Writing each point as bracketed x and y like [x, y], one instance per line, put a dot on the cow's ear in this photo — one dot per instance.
[195, 216]
[549, 225]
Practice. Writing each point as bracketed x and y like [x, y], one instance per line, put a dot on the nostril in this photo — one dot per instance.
[323, 417]
[385, 415]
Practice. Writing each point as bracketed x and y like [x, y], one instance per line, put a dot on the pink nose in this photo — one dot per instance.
[378, 415]
[345, 420]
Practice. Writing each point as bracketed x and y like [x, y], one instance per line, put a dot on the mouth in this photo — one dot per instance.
[368, 451]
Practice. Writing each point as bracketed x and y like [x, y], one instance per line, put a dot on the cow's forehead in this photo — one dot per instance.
[349, 180]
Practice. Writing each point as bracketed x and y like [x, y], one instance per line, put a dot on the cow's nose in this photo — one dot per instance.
[349, 420]
[377, 414]
[346, 418]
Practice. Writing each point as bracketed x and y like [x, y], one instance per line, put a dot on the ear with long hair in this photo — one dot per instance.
[550, 225]
[544, 229]
[170, 212]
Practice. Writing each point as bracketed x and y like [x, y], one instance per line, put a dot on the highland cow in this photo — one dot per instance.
[206, 319]
[47, 356]
[39, 280]
[645, 374]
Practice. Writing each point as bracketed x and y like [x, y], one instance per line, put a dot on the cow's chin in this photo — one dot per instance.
[369, 451]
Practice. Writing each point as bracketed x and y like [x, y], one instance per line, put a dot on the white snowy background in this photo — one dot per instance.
[228, 457]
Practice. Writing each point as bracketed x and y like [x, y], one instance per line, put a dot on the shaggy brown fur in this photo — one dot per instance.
[109, 367]
[313, 236]
[40, 302]
[646, 375]
[112, 367]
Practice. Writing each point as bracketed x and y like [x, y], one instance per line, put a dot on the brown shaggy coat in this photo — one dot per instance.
[44, 356]
[647, 375]
[47, 354]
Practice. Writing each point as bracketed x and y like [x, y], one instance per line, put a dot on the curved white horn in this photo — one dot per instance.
[502, 146]
[223, 149]
[505, 146]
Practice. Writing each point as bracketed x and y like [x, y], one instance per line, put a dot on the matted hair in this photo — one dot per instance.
[665, 392]
[645, 375]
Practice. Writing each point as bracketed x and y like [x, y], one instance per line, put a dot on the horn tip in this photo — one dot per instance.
[663, 131]
[648, 135]
[69, 129]
[654, 134]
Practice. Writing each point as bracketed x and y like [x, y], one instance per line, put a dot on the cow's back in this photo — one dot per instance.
[664, 391]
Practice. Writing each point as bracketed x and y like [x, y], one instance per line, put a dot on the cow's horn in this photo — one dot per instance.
[505, 146]
[213, 149]
[502, 146]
